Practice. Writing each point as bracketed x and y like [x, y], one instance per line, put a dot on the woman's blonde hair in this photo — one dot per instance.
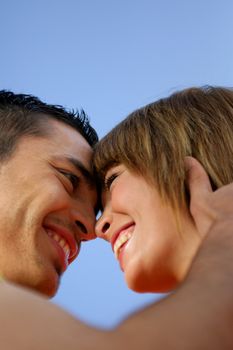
[154, 140]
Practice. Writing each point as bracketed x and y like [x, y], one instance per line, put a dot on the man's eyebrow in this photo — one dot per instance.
[89, 178]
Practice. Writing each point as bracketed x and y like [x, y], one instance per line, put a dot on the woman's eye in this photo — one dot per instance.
[109, 180]
[74, 180]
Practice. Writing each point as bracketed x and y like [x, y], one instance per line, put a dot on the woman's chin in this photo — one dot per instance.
[151, 285]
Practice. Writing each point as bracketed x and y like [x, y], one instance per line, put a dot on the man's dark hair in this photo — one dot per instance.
[24, 115]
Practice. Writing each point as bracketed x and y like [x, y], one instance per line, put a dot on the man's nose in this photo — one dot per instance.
[83, 215]
[86, 229]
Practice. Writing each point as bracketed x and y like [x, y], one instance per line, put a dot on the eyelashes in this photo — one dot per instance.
[108, 181]
[73, 179]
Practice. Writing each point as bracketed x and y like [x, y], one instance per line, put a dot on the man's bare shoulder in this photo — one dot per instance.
[29, 318]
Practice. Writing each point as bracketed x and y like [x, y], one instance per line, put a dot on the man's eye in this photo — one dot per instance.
[74, 180]
[108, 181]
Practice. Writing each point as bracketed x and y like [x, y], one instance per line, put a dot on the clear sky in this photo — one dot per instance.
[110, 57]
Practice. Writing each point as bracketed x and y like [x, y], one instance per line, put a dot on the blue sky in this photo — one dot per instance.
[110, 57]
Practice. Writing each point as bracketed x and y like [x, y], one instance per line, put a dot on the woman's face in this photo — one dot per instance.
[152, 252]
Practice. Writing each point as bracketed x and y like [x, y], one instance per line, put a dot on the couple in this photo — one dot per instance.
[157, 171]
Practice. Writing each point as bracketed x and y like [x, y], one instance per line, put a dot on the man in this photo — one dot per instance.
[48, 197]
[199, 315]
[47, 208]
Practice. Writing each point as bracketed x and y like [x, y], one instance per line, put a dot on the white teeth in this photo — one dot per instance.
[49, 233]
[124, 237]
[66, 249]
[56, 237]
[61, 241]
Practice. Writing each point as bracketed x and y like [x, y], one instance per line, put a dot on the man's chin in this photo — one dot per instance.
[48, 288]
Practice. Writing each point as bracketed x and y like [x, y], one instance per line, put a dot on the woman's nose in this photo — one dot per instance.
[103, 225]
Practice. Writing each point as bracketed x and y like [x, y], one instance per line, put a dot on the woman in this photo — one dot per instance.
[145, 202]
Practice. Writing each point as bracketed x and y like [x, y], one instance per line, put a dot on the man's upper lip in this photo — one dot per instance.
[67, 235]
[118, 232]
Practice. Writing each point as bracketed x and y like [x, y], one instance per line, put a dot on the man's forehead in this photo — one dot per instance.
[68, 135]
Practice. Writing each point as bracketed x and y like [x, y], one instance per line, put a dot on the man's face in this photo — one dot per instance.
[47, 206]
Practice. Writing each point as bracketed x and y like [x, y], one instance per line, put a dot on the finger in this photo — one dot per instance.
[197, 179]
[200, 190]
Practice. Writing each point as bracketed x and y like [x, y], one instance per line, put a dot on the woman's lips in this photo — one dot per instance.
[121, 237]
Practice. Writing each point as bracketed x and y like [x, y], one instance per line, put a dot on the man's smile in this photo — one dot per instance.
[65, 240]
